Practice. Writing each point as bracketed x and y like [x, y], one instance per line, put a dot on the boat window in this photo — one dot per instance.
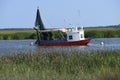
[70, 37]
[81, 35]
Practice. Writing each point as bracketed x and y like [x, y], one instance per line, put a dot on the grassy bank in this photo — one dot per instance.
[17, 34]
[101, 65]
[31, 34]
[102, 32]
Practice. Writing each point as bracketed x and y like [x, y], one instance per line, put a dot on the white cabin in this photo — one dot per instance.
[74, 34]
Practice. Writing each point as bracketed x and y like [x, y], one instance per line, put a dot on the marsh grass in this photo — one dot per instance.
[17, 34]
[31, 34]
[102, 32]
[98, 65]
[16, 31]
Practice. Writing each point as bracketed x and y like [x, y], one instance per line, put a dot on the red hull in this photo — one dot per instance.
[77, 43]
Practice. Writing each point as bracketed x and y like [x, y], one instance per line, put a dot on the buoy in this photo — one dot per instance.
[102, 43]
[31, 43]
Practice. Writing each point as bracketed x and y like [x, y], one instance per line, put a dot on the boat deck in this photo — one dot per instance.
[52, 41]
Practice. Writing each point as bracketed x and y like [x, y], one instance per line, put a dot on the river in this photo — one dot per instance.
[9, 47]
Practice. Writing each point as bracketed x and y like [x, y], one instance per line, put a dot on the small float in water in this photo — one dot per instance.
[72, 36]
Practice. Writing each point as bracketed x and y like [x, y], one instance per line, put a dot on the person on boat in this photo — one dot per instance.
[49, 36]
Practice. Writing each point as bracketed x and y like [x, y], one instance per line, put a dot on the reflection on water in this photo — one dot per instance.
[8, 47]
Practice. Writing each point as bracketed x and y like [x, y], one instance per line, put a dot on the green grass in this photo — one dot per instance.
[17, 34]
[31, 34]
[102, 32]
[16, 31]
[99, 65]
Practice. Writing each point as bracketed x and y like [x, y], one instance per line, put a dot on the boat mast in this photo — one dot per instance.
[38, 25]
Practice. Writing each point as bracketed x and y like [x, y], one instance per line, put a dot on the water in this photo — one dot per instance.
[108, 44]
[9, 47]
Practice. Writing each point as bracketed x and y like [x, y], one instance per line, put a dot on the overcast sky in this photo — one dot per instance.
[59, 13]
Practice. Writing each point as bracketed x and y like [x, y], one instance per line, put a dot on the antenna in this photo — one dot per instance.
[65, 23]
[79, 17]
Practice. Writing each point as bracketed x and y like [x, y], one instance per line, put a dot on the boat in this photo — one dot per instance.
[72, 36]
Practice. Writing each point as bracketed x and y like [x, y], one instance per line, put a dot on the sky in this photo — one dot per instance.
[59, 13]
